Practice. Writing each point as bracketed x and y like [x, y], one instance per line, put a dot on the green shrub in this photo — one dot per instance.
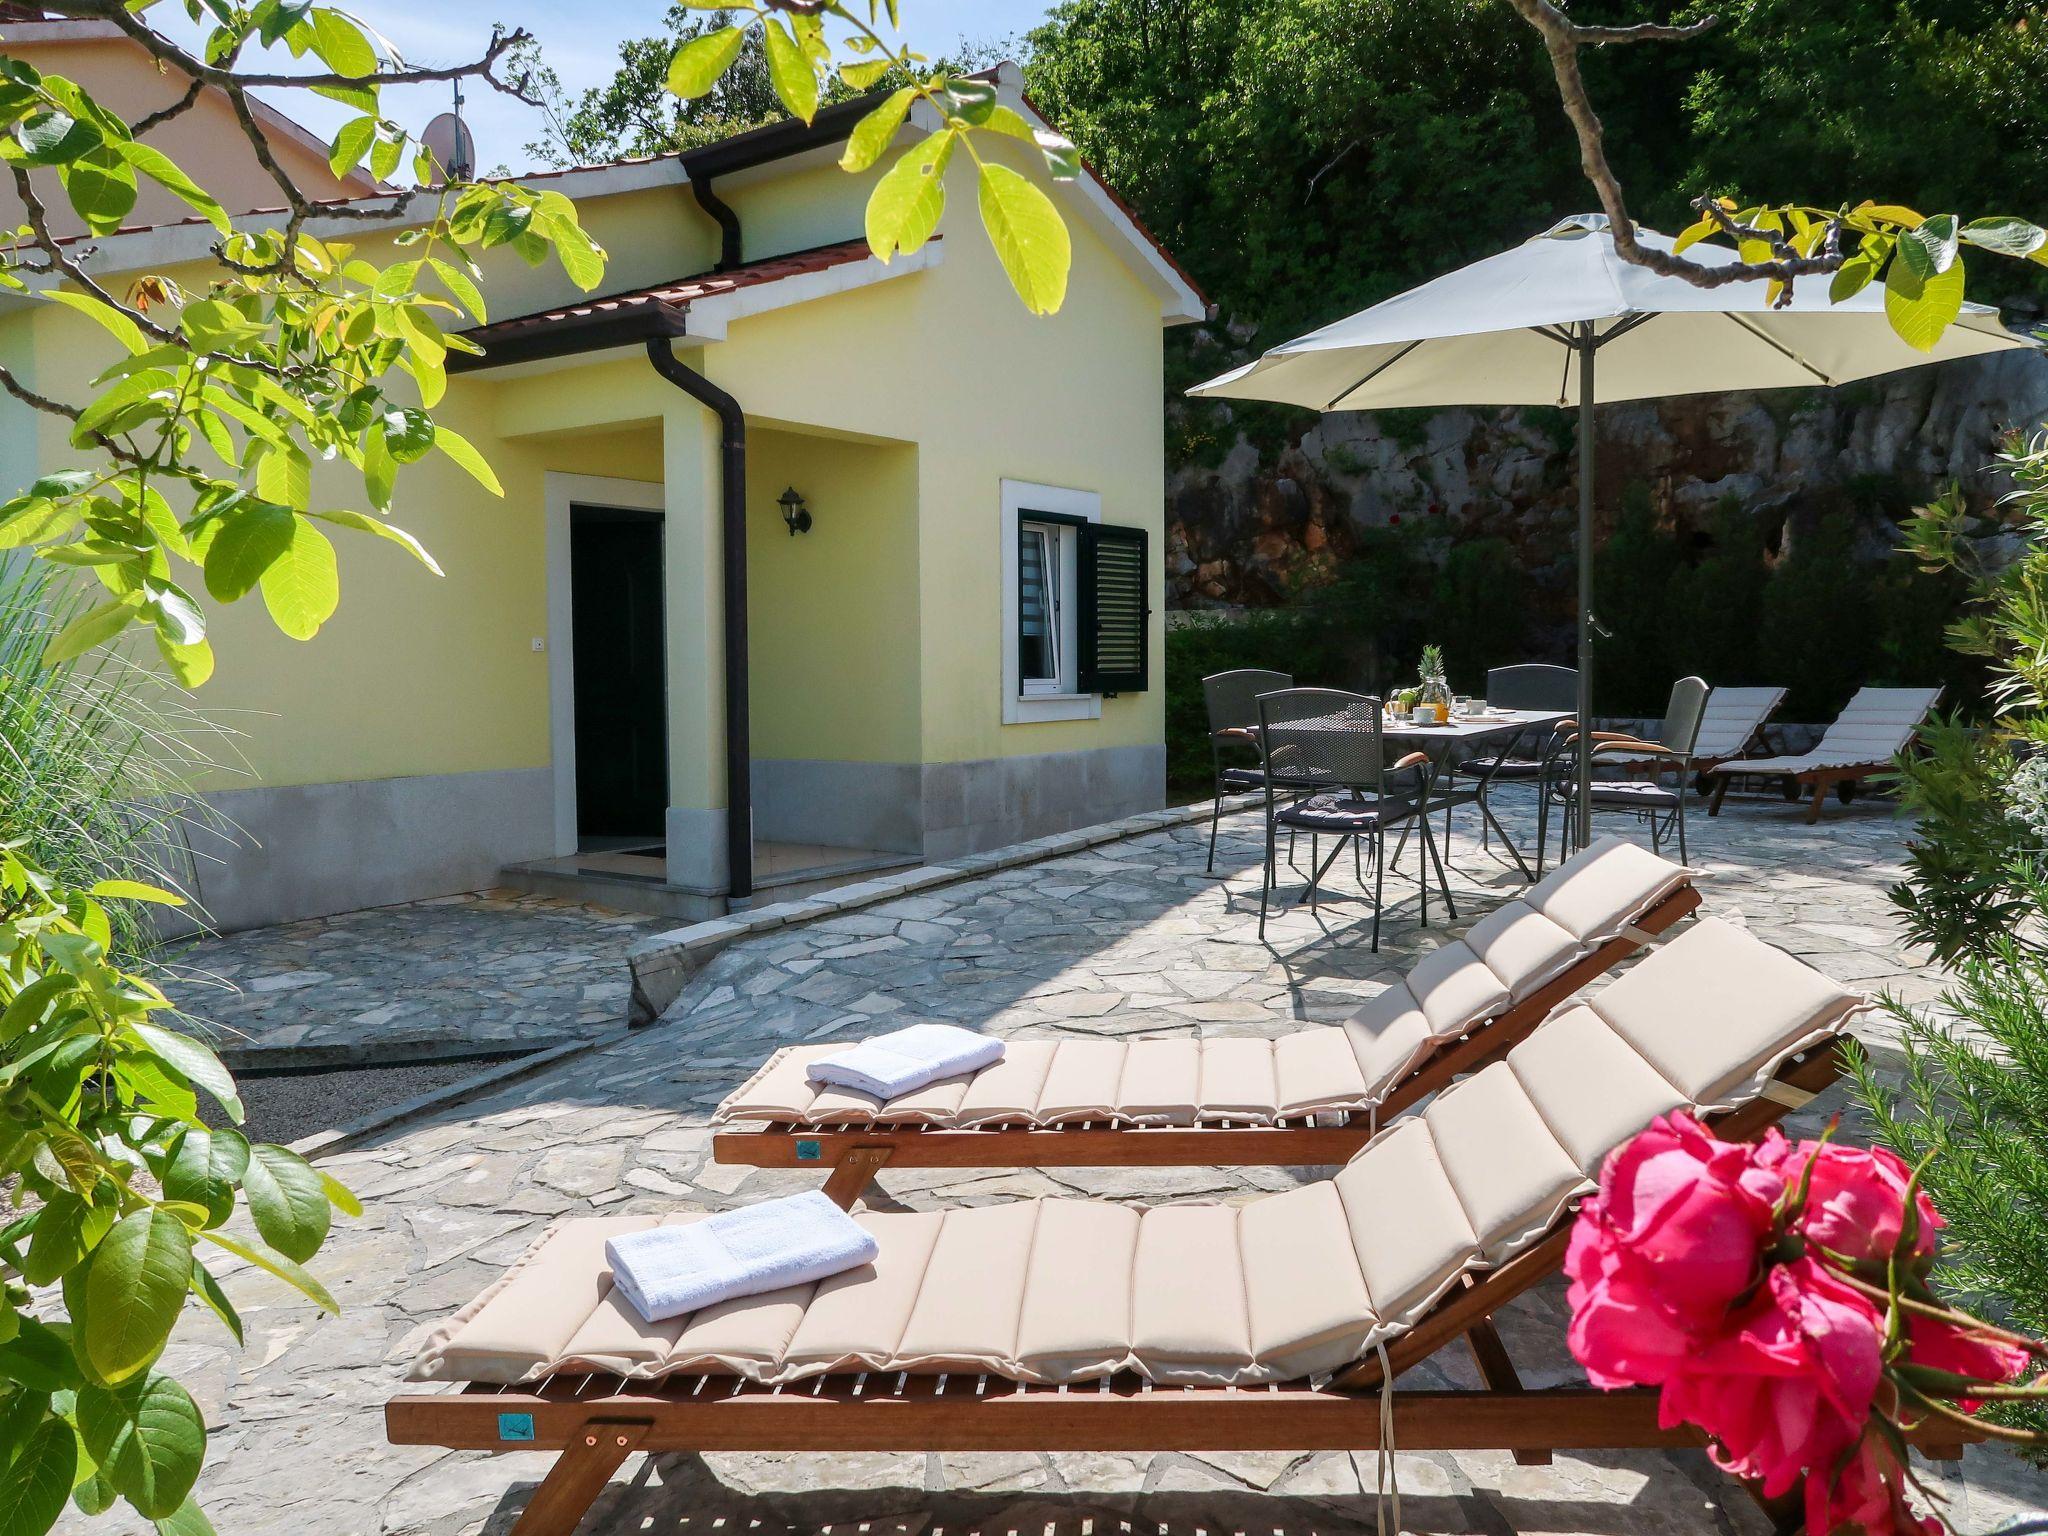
[1633, 668]
[1817, 631]
[1480, 611]
[1714, 603]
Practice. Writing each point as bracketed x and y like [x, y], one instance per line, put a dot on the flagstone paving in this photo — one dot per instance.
[488, 968]
[1130, 939]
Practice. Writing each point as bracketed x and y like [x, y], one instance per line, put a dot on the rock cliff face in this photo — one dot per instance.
[1261, 523]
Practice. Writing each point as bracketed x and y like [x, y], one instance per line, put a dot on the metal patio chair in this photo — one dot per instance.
[1232, 699]
[1649, 800]
[1328, 774]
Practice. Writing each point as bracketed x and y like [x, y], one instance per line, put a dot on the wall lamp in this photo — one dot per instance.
[794, 512]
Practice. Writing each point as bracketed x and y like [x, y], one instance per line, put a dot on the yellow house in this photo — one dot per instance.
[201, 135]
[806, 564]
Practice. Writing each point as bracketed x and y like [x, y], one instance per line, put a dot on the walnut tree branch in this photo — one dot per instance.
[60, 258]
[1562, 39]
[163, 115]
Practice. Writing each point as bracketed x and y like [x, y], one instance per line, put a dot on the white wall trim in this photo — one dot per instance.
[560, 492]
[1019, 497]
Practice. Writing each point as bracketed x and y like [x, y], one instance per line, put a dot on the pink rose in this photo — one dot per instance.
[1789, 1387]
[1672, 1237]
[1856, 1202]
[1945, 1347]
[1867, 1495]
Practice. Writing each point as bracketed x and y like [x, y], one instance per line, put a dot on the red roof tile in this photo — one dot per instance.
[674, 297]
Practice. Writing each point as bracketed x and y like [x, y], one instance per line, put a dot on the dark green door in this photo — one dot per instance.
[620, 672]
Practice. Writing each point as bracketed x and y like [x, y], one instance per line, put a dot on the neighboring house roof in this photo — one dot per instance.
[28, 25]
[1111, 218]
[699, 306]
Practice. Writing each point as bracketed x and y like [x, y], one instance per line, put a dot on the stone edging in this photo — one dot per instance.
[670, 958]
[662, 963]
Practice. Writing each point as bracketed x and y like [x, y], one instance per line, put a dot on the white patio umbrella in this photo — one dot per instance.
[1528, 327]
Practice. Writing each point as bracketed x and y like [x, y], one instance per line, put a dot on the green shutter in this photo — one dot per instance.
[1115, 604]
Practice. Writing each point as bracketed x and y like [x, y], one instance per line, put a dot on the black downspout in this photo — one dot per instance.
[739, 757]
[729, 243]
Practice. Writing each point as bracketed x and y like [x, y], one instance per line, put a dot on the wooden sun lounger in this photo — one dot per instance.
[1836, 763]
[855, 1154]
[597, 1422]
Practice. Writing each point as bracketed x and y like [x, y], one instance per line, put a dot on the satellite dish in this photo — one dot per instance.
[449, 141]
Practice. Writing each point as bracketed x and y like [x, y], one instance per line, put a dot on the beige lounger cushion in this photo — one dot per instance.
[1509, 954]
[1873, 728]
[1288, 1286]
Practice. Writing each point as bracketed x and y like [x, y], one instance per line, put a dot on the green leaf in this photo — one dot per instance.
[302, 586]
[339, 1195]
[214, 325]
[292, 1274]
[408, 433]
[191, 664]
[134, 890]
[36, 1483]
[1931, 247]
[148, 1439]
[204, 1169]
[350, 142]
[699, 62]
[288, 1201]
[94, 627]
[1029, 236]
[66, 1231]
[1692, 234]
[387, 151]
[875, 132]
[248, 541]
[864, 74]
[171, 608]
[461, 285]
[1921, 307]
[118, 325]
[906, 204]
[582, 258]
[1851, 278]
[189, 1520]
[2006, 235]
[790, 71]
[463, 452]
[101, 187]
[284, 475]
[195, 1059]
[383, 530]
[52, 138]
[134, 1290]
[39, 1359]
[209, 1291]
[166, 173]
[340, 42]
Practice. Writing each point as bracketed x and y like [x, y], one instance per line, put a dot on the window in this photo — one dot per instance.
[1076, 605]
[1045, 632]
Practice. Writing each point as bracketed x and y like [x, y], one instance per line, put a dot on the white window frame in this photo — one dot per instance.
[1021, 498]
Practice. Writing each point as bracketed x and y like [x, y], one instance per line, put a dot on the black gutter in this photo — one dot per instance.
[739, 757]
[594, 332]
[729, 242]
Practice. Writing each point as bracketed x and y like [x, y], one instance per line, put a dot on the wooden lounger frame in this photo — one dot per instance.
[596, 1422]
[1821, 780]
[856, 1153]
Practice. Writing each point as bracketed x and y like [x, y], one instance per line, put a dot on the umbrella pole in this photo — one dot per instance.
[1586, 346]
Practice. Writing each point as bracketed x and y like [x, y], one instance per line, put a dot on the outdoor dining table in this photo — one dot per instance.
[1438, 742]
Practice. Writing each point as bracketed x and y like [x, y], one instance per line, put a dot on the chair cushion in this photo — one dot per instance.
[1243, 778]
[1342, 813]
[1289, 1285]
[1603, 888]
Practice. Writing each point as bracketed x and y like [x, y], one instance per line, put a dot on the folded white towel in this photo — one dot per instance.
[906, 1059]
[665, 1272]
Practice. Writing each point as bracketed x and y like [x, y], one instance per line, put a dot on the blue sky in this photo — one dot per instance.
[580, 40]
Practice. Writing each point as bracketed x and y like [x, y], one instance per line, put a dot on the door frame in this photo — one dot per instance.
[563, 492]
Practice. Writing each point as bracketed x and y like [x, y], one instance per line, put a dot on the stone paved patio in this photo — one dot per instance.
[1128, 938]
[489, 968]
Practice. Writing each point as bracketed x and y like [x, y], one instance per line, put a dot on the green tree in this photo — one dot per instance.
[193, 452]
[1636, 662]
[1817, 623]
[1481, 610]
[1715, 601]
